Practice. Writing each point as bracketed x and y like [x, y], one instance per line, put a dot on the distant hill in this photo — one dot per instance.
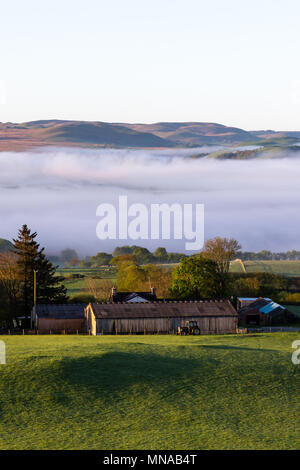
[277, 136]
[75, 133]
[5, 245]
[196, 133]
[95, 134]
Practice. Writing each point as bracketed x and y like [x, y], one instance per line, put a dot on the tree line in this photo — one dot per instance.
[70, 258]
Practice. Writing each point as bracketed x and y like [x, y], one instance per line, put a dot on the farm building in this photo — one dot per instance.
[212, 317]
[263, 312]
[244, 301]
[132, 297]
[60, 317]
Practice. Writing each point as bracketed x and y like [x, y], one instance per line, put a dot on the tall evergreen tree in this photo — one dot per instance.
[31, 257]
[50, 289]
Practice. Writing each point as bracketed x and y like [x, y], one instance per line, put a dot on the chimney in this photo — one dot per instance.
[153, 291]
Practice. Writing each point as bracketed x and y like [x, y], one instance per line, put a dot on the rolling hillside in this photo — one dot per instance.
[159, 135]
[149, 392]
[196, 133]
[80, 133]
[5, 245]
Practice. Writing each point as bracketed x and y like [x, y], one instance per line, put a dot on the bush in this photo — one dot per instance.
[82, 299]
[74, 276]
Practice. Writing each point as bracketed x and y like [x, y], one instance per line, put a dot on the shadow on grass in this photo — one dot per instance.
[114, 376]
[109, 374]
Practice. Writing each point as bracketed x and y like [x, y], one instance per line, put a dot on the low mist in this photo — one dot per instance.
[56, 192]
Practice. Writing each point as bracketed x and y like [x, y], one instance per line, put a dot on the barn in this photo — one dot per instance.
[212, 317]
[59, 318]
[263, 312]
[245, 301]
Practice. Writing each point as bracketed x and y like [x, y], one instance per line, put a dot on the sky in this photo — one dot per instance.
[234, 62]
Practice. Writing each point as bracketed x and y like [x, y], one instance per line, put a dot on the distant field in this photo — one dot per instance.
[286, 268]
[79, 286]
[106, 272]
[149, 392]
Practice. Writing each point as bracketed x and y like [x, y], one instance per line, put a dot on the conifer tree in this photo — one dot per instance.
[30, 257]
[50, 289]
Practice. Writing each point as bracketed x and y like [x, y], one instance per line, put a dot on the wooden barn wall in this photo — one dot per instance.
[60, 324]
[207, 325]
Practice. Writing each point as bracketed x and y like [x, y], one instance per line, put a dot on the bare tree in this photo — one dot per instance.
[160, 278]
[9, 279]
[99, 288]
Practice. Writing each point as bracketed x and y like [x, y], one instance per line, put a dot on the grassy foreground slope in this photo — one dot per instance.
[157, 392]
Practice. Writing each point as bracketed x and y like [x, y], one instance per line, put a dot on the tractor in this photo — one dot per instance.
[190, 328]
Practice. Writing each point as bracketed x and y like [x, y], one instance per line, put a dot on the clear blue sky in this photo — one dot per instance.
[234, 62]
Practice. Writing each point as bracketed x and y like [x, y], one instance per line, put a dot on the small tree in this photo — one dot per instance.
[101, 259]
[160, 278]
[131, 277]
[99, 289]
[160, 254]
[68, 254]
[195, 277]
[221, 251]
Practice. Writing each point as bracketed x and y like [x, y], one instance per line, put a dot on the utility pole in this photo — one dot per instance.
[34, 297]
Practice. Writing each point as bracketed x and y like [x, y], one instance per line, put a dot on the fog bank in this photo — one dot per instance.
[56, 192]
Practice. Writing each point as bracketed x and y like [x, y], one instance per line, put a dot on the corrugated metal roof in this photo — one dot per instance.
[262, 306]
[270, 307]
[252, 298]
[64, 311]
[164, 309]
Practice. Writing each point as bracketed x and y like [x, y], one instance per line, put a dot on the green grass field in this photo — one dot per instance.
[286, 268]
[79, 286]
[149, 392]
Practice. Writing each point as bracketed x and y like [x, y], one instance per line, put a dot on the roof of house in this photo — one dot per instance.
[267, 307]
[161, 309]
[63, 311]
[130, 296]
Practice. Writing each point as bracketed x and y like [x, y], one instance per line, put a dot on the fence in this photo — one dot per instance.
[18, 332]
